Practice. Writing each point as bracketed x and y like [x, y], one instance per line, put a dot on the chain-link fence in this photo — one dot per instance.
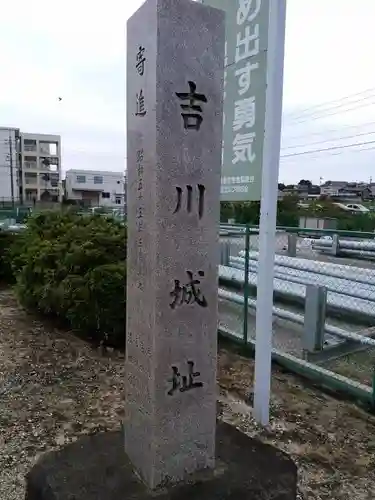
[324, 301]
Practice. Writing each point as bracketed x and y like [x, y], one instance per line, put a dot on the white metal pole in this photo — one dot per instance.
[267, 226]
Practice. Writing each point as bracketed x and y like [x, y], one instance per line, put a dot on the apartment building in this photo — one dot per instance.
[30, 167]
[9, 165]
[95, 188]
[40, 165]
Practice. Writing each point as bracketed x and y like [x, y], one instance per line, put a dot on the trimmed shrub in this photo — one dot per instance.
[8, 245]
[74, 267]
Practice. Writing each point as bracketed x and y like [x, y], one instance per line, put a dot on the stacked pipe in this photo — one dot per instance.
[348, 248]
[297, 318]
[351, 291]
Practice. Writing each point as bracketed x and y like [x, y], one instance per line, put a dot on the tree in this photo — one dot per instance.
[226, 211]
[287, 211]
[305, 182]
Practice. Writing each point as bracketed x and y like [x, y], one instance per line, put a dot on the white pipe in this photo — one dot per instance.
[347, 244]
[357, 274]
[360, 253]
[298, 318]
[297, 291]
[349, 252]
[338, 285]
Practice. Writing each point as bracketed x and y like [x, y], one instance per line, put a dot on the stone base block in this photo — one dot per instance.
[97, 468]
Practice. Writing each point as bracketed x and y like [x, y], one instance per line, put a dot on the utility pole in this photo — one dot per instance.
[11, 167]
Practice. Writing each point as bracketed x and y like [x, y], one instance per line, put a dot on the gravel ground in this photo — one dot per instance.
[55, 387]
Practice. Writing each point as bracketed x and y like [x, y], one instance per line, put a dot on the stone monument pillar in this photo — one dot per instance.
[175, 55]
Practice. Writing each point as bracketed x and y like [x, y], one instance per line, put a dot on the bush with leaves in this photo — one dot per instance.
[74, 267]
[8, 243]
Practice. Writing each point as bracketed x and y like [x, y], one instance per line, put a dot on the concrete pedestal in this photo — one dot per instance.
[97, 468]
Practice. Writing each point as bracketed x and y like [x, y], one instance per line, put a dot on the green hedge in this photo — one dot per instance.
[7, 240]
[74, 268]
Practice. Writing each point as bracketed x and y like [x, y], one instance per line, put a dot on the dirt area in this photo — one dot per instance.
[332, 442]
[358, 366]
[55, 387]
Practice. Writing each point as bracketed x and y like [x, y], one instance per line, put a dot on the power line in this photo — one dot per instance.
[347, 127]
[329, 140]
[313, 118]
[364, 149]
[327, 149]
[309, 109]
[319, 156]
[318, 114]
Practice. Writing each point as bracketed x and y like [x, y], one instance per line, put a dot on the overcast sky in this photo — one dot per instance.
[76, 50]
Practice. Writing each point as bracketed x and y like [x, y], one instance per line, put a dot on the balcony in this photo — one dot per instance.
[30, 165]
[31, 194]
[49, 186]
[29, 148]
[48, 164]
[31, 181]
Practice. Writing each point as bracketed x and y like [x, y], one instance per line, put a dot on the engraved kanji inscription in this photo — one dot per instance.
[140, 186]
[140, 155]
[188, 293]
[183, 383]
[140, 63]
[192, 110]
[189, 199]
[140, 104]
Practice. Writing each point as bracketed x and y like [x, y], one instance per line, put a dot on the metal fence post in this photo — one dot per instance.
[335, 244]
[292, 245]
[224, 253]
[246, 285]
[315, 316]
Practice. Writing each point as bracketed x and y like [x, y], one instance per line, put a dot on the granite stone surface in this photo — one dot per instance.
[175, 54]
[96, 468]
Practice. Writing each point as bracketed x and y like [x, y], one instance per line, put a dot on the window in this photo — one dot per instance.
[106, 195]
[29, 145]
[98, 179]
[118, 200]
[48, 148]
[81, 179]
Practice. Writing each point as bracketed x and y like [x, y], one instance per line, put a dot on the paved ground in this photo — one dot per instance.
[287, 336]
[55, 387]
